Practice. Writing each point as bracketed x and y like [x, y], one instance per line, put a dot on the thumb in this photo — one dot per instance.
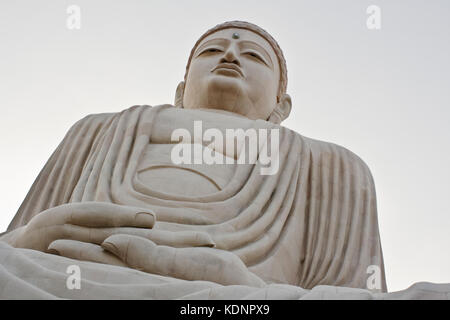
[196, 263]
[133, 250]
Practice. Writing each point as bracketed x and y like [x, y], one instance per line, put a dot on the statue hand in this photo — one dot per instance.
[188, 263]
[90, 222]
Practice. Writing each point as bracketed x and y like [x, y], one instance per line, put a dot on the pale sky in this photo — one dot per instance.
[384, 94]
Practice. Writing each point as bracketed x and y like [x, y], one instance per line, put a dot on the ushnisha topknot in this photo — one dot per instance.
[258, 30]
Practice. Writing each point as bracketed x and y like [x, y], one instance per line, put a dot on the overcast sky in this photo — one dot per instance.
[384, 94]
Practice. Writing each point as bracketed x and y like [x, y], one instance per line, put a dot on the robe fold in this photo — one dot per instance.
[312, 223]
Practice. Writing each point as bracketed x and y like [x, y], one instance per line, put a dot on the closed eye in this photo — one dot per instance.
[256, 56]
[210, 50]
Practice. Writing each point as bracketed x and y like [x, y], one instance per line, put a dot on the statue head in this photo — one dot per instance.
[238, 67]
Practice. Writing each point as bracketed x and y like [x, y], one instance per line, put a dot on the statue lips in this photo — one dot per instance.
[230, 68]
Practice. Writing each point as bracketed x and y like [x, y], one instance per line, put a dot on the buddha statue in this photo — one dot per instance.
[111, 199]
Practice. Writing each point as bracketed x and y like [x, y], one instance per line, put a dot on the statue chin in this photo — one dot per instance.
[225, 92]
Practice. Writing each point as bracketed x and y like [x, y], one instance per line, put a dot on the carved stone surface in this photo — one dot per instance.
[112, 201]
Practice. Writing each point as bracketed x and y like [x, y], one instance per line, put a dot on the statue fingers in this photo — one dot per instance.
[99, 214]
[178, 239]
[39, 237]
[98, 235]
[191, 263]
[95, 214]
[83, 251]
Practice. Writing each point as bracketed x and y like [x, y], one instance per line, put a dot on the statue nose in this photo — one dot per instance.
[230, 56]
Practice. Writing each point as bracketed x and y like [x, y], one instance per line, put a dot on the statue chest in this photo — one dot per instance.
[157, 171]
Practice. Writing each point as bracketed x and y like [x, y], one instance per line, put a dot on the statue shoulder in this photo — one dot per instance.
[96, 119]
[327, 152]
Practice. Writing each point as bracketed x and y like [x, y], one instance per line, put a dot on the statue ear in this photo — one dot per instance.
[179, 95]
[282, 110]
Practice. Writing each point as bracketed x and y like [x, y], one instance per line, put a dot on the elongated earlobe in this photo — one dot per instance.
[282, 110]
[179, 95]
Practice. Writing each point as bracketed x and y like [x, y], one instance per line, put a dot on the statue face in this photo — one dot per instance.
[234, 70]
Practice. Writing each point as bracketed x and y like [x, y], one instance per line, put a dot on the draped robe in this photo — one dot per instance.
[312, 223]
